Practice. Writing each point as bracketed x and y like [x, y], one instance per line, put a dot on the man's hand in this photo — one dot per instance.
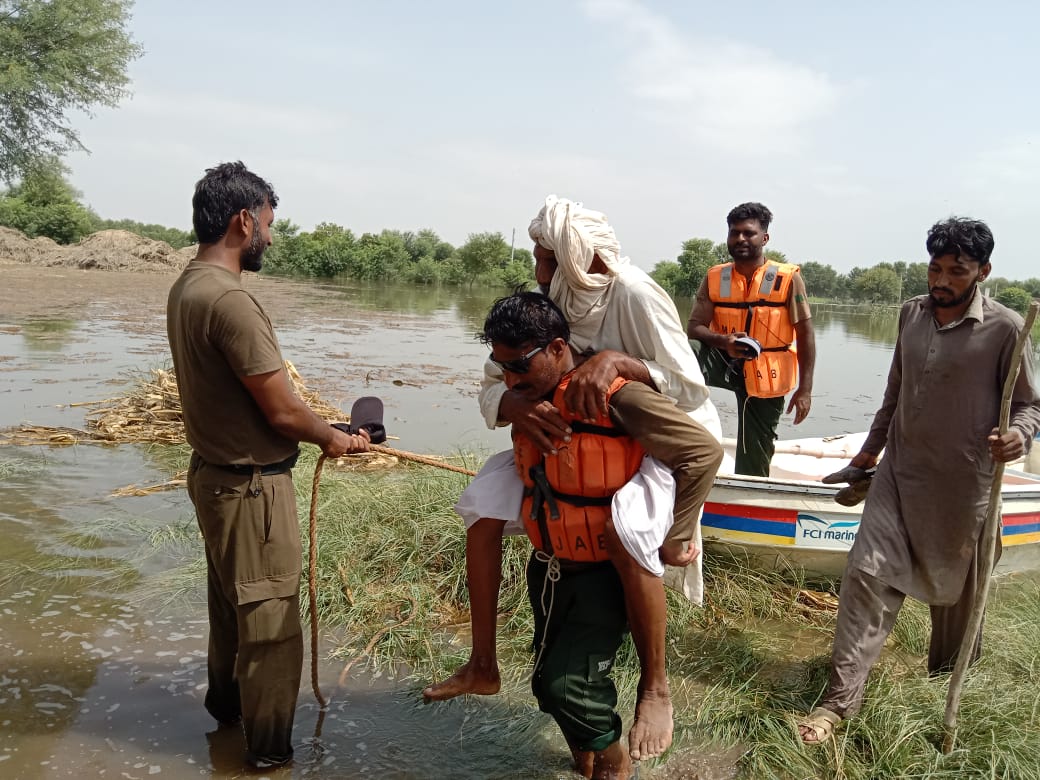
[801, 402]
[864, 460]
[1011, 446]
[341, 443]
[540, 421]
[732, 348]
[586, 395]
[679, 553]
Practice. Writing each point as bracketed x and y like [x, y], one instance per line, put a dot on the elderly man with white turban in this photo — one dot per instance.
[618, 311]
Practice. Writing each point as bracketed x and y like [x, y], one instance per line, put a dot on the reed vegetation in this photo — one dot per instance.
[391, 585]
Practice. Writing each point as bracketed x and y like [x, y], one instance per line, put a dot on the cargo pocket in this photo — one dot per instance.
[280, 551]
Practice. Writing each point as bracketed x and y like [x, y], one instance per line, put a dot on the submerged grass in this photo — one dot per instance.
[391, 583]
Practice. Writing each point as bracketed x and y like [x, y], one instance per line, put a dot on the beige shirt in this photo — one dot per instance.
[218, 332]
[927, 505]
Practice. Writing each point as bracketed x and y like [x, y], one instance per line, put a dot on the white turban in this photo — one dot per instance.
[576, 235]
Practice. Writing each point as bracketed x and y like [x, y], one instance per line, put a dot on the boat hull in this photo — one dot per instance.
[794, 525]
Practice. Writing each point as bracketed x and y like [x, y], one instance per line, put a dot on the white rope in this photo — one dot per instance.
[552, 576]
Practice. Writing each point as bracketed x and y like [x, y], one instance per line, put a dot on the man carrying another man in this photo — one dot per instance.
[755, 298]
[244, 425]
[615, 308]
[569, 508]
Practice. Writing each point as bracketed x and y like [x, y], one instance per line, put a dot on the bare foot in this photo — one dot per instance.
[651, 733]
[475, 676]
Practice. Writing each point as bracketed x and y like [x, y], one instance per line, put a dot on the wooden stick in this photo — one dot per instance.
[988, 543]
[404, 455]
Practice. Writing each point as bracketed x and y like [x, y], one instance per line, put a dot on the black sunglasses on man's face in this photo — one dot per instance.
[519, 366]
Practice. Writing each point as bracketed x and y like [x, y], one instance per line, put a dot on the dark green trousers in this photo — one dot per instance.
[253, 561]
[582, 620]
[757, 418]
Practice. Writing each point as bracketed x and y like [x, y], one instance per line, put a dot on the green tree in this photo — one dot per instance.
[820, 279]
[43, 203]
[915, 280]
[666, 273]
[481, 253]
[284, 256]
[877, 285]
[1033, 285]
[1015, 298]
[57, 57]
[426, 243]
[696, 257]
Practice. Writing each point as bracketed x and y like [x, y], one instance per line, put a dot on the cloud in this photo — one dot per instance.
[198, 111]
[1015, 162]
[723, 94]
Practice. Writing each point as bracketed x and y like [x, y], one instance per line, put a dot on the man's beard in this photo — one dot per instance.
[966, 295]
[253, 256]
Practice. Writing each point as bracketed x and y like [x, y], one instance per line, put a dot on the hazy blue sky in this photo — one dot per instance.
[858, 124]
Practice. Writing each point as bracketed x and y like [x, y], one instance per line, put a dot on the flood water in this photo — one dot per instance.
[101, 674]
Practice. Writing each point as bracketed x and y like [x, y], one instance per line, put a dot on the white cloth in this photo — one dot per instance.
[642, 512]
[623, 310]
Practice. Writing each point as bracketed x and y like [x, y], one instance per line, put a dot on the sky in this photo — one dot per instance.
[858, 124]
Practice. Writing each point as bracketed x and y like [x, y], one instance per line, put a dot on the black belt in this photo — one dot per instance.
[246, 469]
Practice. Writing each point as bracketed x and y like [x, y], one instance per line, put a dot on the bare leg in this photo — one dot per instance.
[651, 733]
[613, 763]
[584, 760]
[484, 574]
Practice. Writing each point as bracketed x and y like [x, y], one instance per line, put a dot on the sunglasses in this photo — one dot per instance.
[519, 366]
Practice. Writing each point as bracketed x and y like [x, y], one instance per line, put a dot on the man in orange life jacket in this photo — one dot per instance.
[765, 300]
[581, 611]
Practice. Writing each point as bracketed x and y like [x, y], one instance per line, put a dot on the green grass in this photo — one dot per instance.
[743, 667]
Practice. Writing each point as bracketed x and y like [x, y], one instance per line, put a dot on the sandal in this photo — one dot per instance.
[822, 723]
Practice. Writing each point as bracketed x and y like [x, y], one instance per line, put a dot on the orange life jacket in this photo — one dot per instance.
[567, 495]
[760, 309]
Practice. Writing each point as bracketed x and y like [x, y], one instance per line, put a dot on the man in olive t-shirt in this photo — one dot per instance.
[244, 424]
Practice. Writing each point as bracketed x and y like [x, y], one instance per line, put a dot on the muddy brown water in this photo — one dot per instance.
[102, 677]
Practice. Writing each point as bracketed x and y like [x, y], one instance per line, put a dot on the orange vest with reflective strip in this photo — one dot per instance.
[760, 309]
[567, 495]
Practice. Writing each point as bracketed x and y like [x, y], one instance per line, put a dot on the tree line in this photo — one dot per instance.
[882, 283]
[43, 203]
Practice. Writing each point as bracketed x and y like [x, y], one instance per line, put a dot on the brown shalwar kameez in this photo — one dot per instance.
[922, 519]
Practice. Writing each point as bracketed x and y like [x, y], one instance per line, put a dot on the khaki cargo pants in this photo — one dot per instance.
[253, 559]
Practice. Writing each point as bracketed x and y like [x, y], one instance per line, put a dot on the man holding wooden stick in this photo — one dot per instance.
[920, 532]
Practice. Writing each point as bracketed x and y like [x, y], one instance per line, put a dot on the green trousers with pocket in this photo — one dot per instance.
[253, 560]
[579, 624]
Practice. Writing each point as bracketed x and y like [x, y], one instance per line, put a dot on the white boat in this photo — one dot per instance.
[790, 520]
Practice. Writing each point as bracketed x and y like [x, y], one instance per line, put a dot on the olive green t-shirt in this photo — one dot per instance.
[218, 332]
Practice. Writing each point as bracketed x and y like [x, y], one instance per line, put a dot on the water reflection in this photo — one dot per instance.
[877, 325]
[44, 334]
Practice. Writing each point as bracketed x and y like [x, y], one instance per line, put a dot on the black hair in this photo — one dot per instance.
[223, 192]
[754, 211]
[524, 318]
[960, 236]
